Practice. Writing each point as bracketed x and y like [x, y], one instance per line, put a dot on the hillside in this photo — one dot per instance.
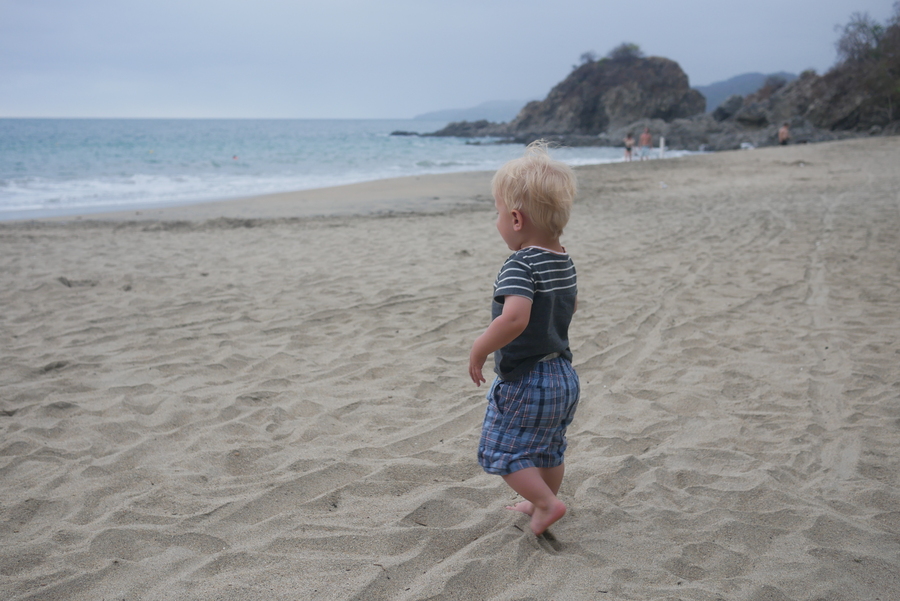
[597, 96]
[601, 100]
[742, 85]
[498, 111]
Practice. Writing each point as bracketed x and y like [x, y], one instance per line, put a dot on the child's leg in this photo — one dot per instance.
[531, 484]
[553, 477]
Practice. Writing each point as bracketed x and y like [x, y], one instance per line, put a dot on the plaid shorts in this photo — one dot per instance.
[526, 420]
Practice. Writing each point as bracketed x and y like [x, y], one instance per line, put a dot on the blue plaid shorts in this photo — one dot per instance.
[526, 420]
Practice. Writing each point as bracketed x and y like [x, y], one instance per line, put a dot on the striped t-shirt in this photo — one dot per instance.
[548, 279]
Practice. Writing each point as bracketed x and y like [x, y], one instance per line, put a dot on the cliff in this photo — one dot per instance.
[608, 93]
[602, 100]
[743, 84]
[597, 96]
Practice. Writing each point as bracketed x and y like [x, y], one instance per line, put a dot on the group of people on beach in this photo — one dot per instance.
[645, 142]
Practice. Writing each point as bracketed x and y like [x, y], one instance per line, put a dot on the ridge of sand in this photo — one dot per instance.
[272, 406]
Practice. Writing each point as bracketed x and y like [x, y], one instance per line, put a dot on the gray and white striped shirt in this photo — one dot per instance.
[548, 279]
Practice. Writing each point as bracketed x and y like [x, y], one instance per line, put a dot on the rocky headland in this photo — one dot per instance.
[600, 101]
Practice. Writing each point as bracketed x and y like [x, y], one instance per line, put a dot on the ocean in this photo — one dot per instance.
[58, 167]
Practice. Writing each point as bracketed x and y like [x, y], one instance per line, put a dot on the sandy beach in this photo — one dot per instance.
[267, 399]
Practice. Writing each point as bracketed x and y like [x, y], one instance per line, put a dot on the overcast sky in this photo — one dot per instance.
[368, 59]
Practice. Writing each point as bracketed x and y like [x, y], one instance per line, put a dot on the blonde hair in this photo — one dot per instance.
[542, 188]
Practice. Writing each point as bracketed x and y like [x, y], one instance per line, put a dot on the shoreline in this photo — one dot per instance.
[413, 193]
[421, 194]
[417, 194]
[236, 402]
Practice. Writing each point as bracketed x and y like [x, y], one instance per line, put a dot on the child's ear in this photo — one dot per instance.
[518, 220]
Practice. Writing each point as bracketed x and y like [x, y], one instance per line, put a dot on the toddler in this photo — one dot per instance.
[533, 398]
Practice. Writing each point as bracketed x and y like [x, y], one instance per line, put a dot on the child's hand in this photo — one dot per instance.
[503, 330]
[476, 365]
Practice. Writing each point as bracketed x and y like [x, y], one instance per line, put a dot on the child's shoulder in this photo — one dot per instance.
[533, 253]
[533, 259]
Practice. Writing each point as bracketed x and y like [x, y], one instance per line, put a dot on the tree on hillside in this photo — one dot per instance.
[625, 51]
[883, 76]
[869, 53]
[859, 38]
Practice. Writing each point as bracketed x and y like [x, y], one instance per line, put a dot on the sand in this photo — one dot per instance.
[244, 401]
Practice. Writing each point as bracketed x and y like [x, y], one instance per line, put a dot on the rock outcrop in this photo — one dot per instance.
[609, 93]
[830, 102]
[600, 101]
[728, 108]
[816, 108]
[597, 96]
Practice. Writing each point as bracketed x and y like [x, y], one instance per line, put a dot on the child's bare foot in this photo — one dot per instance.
[525, 507]
[543, 519]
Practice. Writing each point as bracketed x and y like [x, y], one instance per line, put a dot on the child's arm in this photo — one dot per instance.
[503, 330]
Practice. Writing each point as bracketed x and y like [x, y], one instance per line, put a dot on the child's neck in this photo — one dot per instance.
[543, 241]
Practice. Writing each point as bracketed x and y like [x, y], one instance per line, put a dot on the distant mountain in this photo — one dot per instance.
[747, 83]
[498, 111]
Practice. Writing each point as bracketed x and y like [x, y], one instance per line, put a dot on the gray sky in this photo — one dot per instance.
[385, 59]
